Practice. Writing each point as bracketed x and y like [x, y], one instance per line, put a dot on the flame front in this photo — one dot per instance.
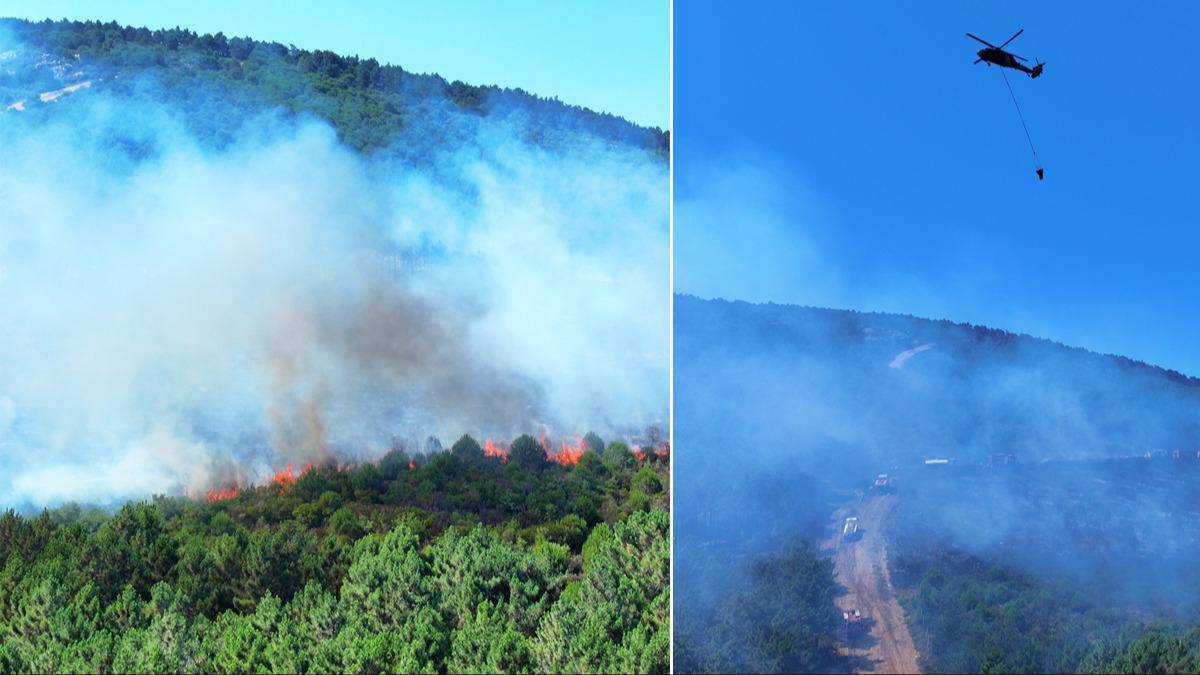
[568, 454]
[284, 476]
[662, 452]
[288, 475]
[218, 494]
[493, 449]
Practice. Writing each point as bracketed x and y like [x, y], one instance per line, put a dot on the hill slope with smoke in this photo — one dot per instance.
[901, 389]
[219, 256]
[1065, 517]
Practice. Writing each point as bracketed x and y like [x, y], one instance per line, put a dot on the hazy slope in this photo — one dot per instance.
[899, 389]
[229, 255]
[784, 415]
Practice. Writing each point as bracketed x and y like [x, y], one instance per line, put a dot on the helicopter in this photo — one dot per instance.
[997, 55]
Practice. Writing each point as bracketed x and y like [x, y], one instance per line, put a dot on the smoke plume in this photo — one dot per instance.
[174, 315]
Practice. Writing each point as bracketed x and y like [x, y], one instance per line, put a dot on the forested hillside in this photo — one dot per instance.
[219, 81]
[884, 388]
[340, 290]
[456, 561]
[1054, 528]
[777, 615]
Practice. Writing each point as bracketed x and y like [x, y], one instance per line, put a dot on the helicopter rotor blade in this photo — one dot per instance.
[1014, 37]
[976, 37]
[1020, 58]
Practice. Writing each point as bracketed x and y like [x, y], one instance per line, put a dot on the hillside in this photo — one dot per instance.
[242, 282]
[218, 82]
[1059, 536]
[902, 389]
[459, 560]
[291, 256]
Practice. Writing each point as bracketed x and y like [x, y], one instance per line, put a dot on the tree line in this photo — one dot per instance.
[447, 562]
[220, 81]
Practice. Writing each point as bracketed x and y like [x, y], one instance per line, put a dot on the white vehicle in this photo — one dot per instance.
[850, 529]
[883, 483]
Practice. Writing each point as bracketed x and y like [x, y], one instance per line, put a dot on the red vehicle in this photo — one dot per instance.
[852, 621]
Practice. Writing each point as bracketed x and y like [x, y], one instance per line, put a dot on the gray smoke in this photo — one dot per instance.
[174, 316]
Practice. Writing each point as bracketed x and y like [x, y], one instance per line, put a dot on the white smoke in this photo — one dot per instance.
[191, 315]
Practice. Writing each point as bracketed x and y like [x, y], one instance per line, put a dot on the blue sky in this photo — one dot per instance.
[612, 56]
[849, 155]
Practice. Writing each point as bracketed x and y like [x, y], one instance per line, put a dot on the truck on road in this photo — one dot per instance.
[883, 483]
[850, 529]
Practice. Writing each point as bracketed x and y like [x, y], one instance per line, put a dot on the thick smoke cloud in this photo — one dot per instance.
[174, 316]
[784, 414]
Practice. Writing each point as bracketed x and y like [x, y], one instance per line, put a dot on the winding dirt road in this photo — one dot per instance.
[861, 567]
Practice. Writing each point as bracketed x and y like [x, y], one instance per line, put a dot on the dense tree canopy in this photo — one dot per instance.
[778, 616]
[220, 81]
[967, 615]
[448, 562]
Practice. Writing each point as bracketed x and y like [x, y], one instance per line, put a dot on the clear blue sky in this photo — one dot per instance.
[848, 154]
[608, 55]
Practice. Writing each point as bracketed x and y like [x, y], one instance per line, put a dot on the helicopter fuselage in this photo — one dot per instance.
[999, 57]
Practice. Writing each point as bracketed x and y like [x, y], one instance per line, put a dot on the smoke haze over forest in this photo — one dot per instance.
[180, 310]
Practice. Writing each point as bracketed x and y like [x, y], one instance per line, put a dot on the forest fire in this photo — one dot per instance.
[285, 476]
[219, 494]
[662, 452]
[493, 449]
[569, 454]
[288, 475]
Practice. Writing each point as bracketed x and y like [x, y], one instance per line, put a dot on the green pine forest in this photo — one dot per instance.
[966, 616]
[219, 82]
[447, 562]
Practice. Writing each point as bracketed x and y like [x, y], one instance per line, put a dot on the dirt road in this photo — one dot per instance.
[862, 568]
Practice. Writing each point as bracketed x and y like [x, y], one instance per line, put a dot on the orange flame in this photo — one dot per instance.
[569, 454]
[663, 452]
[284, 476]
[412, 466]
[218, 494]
[287, 475]
[493, 449]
